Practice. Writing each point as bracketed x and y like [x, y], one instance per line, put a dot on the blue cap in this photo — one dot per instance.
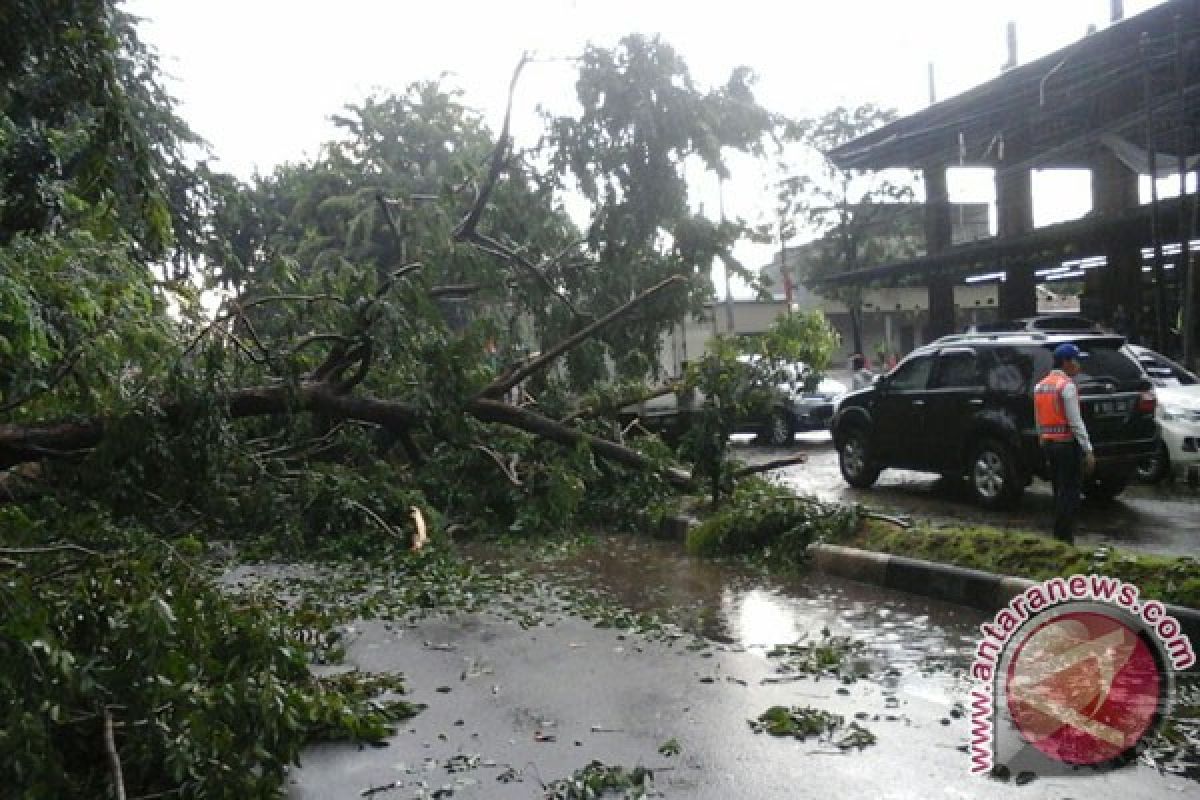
[1067, 351]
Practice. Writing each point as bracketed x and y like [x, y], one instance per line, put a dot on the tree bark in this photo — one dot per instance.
[487, 410]
[508, 381]
[19, 444]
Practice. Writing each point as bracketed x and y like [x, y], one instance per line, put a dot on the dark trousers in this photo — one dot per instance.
[1066, 471]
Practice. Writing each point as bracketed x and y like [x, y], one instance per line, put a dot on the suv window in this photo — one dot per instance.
[911, 374]
[1008, 370]
[1063, 324]
[1103, 361]
[957, 370]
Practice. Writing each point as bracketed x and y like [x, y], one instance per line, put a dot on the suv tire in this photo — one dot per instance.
[993, 476]
[1155, 468]
[854, 459]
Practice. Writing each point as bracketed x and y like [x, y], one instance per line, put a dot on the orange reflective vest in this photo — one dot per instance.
[1050, 410]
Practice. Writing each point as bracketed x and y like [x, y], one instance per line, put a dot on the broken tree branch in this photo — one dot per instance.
[487, 410]
[454, 289]
[506, 253]
[378, 520]
[510, 471]
[60, 374]
[49, 548]
[616, 405]
[467, 227]
[20, 444]
[509, 380]
[779, 463]
[114, 758]
[239, 309]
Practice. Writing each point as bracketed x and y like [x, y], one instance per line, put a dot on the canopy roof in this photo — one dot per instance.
[1052, 111]
[1043, 247]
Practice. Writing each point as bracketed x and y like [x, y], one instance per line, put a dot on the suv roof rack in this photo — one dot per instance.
[956, 338]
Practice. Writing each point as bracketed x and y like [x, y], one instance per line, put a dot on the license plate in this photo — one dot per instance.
[1108, 408]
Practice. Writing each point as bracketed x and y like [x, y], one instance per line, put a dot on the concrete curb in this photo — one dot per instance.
[986, 591]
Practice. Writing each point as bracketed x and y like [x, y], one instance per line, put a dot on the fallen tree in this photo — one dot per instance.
[335, 399]
[339, 275]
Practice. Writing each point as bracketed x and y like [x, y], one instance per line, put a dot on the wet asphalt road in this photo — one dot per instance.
[1154, 519]
[513, 706]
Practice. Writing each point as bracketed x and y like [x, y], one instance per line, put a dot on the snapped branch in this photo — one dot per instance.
[511, 379]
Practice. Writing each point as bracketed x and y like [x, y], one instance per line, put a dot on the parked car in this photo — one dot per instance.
[1178, 415]
[963, 407]
[805, 402]
[1043, 323]
[801, 401]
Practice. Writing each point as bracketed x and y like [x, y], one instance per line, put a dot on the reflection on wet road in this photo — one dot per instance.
[540, 699]
[754, 609]
[1156, 519]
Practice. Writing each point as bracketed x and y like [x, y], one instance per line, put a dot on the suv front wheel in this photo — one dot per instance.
[854, 459]
[992, 475]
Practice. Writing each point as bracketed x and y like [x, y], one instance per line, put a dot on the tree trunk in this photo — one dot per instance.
[856, 326]
[20, 444]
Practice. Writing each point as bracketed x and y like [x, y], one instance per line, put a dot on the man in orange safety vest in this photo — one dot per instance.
[1064, 437]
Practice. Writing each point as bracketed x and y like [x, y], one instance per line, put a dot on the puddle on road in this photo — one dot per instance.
[910, 645]
[756, 610]
[541, 695]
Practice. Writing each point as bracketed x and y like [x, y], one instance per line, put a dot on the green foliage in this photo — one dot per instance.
[208, 698]
[74, 303]
[817, 658]
[598, 780]
[1033, 556]
[801, 722]
[807, 338]
[729, 390]
[641, 117]
[737, 379]
[763, 519]
[861, 219]
[86, 123]
[670, 747]
[513, 484]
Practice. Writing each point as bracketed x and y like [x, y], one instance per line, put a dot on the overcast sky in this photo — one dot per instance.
[259, 78]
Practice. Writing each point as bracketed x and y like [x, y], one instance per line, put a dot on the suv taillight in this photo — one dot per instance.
[1147, 402]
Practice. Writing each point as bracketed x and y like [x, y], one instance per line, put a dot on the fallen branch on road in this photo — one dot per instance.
[778, 463]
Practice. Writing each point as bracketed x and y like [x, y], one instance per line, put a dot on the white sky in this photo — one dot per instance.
[259, 78]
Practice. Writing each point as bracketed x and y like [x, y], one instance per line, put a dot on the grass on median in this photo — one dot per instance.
[1029, 555]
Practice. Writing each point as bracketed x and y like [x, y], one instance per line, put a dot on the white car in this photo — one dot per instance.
[1178, 416]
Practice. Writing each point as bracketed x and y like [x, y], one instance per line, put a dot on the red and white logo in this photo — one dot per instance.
[1074, 674]
[1084, 687]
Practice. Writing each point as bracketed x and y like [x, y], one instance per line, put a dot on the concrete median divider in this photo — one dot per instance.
[986, 591]
[975, 588]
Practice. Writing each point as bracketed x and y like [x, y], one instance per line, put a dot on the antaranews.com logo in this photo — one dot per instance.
[1073, 675]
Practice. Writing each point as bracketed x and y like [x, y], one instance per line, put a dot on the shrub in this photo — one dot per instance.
[765, 519]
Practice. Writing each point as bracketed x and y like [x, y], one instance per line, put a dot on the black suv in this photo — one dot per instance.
[963, 407]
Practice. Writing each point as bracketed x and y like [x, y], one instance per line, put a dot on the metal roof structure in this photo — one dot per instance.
[1116, 89]
[1051, 112]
